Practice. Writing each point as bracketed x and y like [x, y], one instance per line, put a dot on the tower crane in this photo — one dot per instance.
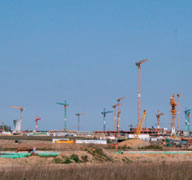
[119, 114]
[115, 115]
[187, 120]
[178, 112]
[21, 113]
[173, 114]
[78, 119]
[158, 115]
[139, 89]
[104, 113]
[65, 113]
[36, 122]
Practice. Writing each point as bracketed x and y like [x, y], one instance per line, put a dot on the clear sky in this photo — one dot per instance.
[85, 51]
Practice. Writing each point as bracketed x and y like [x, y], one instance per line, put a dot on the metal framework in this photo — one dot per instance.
[139, 89]
[65, 113]
[104, 113]
[173, 115]
[78, 119]
[119, 114]
[115, 116]
[178, 112]
[187, 121]
[36, 122]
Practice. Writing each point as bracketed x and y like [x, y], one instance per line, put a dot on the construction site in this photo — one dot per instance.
[140, 141]
[156, 147]
[95, 90]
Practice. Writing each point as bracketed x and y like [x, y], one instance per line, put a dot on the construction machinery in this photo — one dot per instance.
[21, 115]
[104, 113]
[36, 122]
[139, 89]
[65, 113]
[119, 114]
[115, 116]
[178, 112]
[173, 115]
[78, 119]
[140, 124]
[187, 121]
[158, 115]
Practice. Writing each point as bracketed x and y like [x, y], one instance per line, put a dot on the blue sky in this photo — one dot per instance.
[85, 52]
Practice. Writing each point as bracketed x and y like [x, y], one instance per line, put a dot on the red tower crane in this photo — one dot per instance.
[36, 122]
[139, 89]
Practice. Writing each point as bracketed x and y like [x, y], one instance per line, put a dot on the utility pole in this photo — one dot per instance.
[139, 90]
[104, 115]
[65, 113]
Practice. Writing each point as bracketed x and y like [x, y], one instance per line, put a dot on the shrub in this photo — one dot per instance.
[84, 158]
[58, 161]
[75, 158]
[67, 161]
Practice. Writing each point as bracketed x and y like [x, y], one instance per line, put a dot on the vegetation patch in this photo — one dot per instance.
[75, 158]
[124, 147]
[98, 154]
[126, 160]
[153, 147]
[84, 158]
[68, 160]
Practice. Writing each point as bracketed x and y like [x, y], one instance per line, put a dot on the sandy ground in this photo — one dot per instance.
[42, 145]
[66, 150]
[134, 143]
[116, 158]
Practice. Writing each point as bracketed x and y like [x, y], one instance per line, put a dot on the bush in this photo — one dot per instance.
[84, 158]
[75, 158]
[58, 161]
[67, 161]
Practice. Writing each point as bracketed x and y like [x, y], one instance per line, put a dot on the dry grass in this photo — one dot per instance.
[132, 171]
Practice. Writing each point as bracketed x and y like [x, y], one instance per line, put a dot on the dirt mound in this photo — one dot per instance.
[134, 143]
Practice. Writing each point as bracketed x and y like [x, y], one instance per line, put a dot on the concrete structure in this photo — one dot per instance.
[17, 125]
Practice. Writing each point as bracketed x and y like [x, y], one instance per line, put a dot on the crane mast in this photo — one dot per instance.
[173, 115]
[139, 89]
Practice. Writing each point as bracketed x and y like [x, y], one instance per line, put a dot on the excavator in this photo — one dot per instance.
[140, 124]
